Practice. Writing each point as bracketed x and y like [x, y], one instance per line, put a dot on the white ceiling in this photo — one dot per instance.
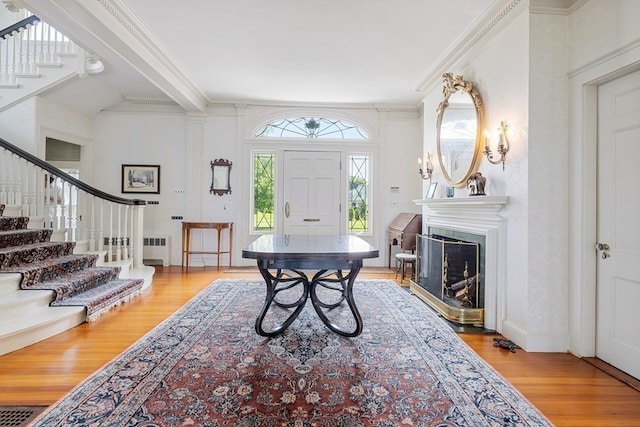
[330, 51]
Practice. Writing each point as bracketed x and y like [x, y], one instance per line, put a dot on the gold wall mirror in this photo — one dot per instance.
[459, 127]
[221, 177]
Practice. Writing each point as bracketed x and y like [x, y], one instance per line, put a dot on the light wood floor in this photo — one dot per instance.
[569, 391]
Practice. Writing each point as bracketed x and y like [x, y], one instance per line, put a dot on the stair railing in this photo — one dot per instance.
[28, 45]
[76, 211]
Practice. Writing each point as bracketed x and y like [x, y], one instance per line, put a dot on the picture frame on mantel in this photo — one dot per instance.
[432, 190]
[141, 179]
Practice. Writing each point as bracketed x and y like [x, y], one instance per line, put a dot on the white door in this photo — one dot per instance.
[618, 286]
[311, 192]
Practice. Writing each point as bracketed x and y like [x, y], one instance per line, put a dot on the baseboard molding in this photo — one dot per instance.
[613, 371]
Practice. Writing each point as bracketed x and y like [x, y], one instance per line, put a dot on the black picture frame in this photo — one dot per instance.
[141, 179]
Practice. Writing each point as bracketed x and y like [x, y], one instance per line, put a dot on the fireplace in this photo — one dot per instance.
[475, 220]
[450, 274]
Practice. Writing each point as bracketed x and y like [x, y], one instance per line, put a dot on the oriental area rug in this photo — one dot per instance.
[206, 366]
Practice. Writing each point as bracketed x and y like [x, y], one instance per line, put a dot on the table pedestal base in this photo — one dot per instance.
[329, 278]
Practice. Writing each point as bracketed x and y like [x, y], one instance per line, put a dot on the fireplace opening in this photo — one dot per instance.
[450, 274]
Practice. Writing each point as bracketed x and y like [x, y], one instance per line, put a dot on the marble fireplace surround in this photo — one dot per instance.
[479, 215]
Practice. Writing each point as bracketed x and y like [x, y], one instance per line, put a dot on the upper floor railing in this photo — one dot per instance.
[28, 45]
[75, 210]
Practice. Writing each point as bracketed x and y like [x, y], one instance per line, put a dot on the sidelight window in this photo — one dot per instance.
[358, 193]
[263, 192]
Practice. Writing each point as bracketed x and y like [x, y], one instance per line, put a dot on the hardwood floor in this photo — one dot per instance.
[569, 391]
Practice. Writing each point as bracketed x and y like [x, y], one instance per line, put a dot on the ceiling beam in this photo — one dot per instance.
[108, 27]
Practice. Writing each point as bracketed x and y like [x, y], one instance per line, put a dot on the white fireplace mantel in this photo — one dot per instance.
[486, 206]
[479, 215]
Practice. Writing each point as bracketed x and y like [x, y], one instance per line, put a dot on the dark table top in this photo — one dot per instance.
[292, 246]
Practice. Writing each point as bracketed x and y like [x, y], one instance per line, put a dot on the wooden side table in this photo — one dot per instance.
[186, 239]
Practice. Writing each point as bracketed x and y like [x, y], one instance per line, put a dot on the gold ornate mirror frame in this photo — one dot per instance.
[459, 124]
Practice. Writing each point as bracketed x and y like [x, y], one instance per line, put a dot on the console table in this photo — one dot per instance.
[186, 239]
[328, 256]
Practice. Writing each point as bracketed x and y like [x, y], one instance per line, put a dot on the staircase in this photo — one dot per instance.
[45, 288]
[35, 57]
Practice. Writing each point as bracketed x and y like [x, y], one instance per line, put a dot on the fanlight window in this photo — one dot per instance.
[311, 127]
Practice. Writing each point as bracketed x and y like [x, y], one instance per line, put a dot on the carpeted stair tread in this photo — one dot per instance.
[24, 237]
[34, 252]
[51, 268]
[80, 281]
[13, 222]
[102, 298]
[74, 279]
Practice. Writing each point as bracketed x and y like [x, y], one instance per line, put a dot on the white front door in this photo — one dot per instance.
[618, 254]
[311, 192]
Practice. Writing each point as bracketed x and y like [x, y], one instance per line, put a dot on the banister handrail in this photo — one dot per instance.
[19, 25]
[68, 178]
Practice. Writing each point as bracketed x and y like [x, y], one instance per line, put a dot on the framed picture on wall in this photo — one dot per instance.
[141, 179]
[432, 190]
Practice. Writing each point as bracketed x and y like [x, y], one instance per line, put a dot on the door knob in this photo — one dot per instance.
[604, 248]
[287, 210]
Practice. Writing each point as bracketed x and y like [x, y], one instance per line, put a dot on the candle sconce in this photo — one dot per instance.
[503, 146]
[426, 169]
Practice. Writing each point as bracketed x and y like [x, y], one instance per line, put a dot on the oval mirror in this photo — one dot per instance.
[458, 130]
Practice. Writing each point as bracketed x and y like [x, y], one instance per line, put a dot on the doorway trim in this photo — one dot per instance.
[583, 113]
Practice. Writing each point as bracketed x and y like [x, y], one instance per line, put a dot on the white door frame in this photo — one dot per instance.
[582, 165]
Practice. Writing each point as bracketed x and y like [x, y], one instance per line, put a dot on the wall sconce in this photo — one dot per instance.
[426, 170]
[503, 146]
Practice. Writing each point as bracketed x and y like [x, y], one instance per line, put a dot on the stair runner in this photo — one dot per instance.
[74, 279]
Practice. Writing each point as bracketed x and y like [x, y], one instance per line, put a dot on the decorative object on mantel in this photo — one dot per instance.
[476, 184]
[426, 169]
[458, 130]
[503, 146]
[432, 190]
[450, 191]
[221, 174]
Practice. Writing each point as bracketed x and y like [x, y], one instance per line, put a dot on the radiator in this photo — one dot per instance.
[156, 250]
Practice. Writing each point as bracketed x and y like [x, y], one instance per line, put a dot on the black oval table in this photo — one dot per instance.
[282, 261]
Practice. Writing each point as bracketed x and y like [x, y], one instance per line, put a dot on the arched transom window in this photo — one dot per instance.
[311, 127]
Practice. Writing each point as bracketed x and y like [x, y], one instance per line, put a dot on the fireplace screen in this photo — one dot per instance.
[449, 270]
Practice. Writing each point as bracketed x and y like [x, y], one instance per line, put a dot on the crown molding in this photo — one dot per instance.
[555, 7]
[496, 15]
[109, 27]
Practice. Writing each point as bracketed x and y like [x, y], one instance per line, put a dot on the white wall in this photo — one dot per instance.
[18, 125]
[150, 138]
[518, 71]
[604, 43]
[184, 145]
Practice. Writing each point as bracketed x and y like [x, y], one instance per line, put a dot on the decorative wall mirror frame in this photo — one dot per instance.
[459, 124]
[220, 177]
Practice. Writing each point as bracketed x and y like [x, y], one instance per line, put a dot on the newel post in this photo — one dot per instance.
[138, 230]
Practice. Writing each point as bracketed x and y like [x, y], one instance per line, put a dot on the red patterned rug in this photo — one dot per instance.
[206, 366]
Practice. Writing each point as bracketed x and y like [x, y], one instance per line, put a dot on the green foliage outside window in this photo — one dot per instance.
[263, 193]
